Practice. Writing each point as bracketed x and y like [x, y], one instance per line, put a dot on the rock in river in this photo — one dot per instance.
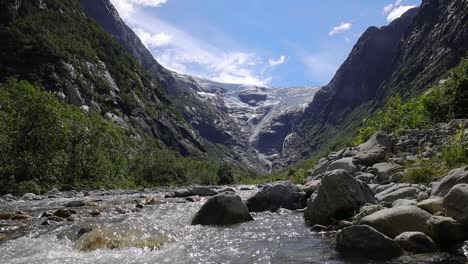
[202, 191]
[271, 198]
[338, 197]
[223, 209]
[102, 238]
[416, 242]
[365, 241]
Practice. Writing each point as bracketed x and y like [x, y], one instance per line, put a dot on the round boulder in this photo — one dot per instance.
[445, 230]
[456, 203]
[365, 241]
[223, 209]
[416, 242]
[397, 220]
[338, 197]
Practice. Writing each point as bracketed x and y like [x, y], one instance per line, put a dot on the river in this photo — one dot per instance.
[280, 237]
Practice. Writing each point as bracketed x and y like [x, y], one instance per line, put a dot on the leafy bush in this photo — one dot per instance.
[422, 173]
[456, 153]
[450, 99]
[45, 143]
[442, 103]
[395, 117]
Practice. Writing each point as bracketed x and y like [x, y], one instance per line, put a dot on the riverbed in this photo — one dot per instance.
[281, 237]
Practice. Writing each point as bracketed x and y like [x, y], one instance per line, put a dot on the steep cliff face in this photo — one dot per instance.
[241, 124]
[53, 43]
[403, 58]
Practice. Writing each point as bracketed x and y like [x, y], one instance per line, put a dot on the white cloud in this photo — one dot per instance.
[179, 51]
[396, 10]
[161, 39]
[127, 8]
[279, 61]
[343, 26]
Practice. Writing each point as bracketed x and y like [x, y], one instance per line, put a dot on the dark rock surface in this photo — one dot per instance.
[223, 209]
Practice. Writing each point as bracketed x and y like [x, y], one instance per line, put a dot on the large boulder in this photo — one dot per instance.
[397, 220]
[338, 197]
[365, 241]
[453, 178]
[445, 230]
[456, 203]
[374, 150]
[202, 191]
[343, 164]
[385, 170]
[399, 191]
[273, 197]
[223, 209]
[416, 242]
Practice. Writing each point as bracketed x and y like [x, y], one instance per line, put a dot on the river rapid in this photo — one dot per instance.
[280, 237]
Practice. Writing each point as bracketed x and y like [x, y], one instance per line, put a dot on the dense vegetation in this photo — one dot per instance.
[47, 143]
[442, 103]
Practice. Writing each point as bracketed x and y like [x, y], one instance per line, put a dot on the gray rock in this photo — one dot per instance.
[365, 241]
[397, 220]
[416, 242]
[366, 210]
[28, 196]
[338, 197]
[228, 189]
[385, 170]
[453, 178]
[445, 230]
[311, 187]
[373, 187]
[422, 196]
[202, 191]
[374, 150]
[180, 193]
[365, 177]
[432, 205]
[398, 191]
[9, 197]
[456, 203]
[273, 197]
[343, 164]
[54, 193]
[383, 187]
[403, 202]
[320, 168]
[223, 209]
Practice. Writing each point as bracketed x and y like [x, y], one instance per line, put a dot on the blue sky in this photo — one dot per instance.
[261, 42]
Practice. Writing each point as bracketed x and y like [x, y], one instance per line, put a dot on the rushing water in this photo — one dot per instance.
[272, 238]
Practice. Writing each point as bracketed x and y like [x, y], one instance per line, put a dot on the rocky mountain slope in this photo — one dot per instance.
[241, 124]
[53, 43]
[405, 58]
